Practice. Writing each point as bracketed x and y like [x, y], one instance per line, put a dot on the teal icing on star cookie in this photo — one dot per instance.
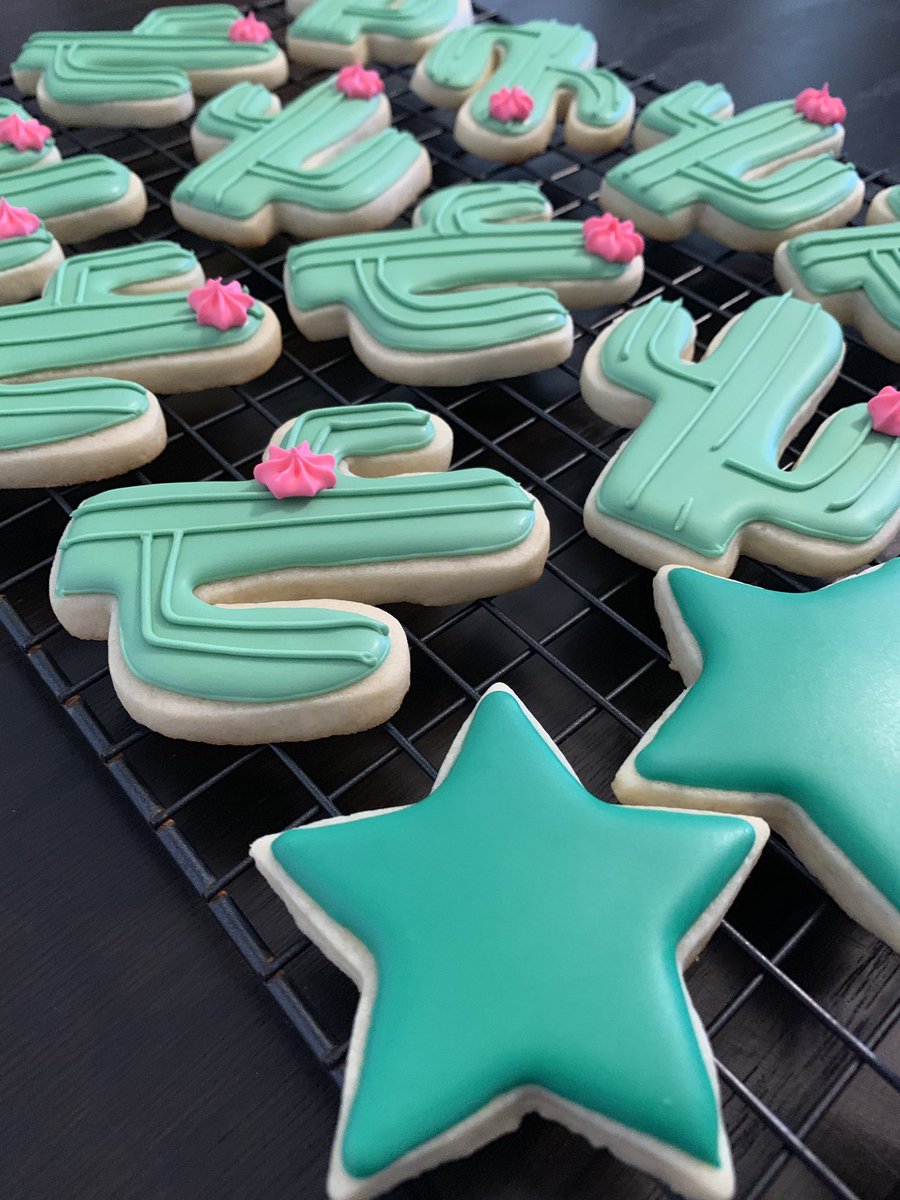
[449, 283]
[39, 414]
[704, 462]
[706, 156]
[153, 61]
[508, 894]
[799, 697]
[314, 153]
[545, 58]
[856, 258]
[86, 316]
[345, 21]
[153, 547]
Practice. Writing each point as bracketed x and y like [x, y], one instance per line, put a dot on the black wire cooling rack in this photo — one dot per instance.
[802, 1006]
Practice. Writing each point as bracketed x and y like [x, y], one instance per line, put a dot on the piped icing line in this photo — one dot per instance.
[23, 133]
[448, 283]
[154, 61]
[524, 70]
[324, 151]
[435, 909]
[347, 22]
[249, 29]
[16, 222]
[222, 305]
[706, 156]
[818, 105]
[157, 547]
[86, 317]
[810, 737]
[884, 409]
[702, 466]
[358, 83]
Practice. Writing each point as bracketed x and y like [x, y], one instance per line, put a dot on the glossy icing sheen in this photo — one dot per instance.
[265, 162]
[453, 897]
[70, 186]
[799, 697]
[705, 157]
[17, 251]
[439, 285]
[151, 62]
[704, 462]
[154, 546]
[83, 318]
[37, 414]
[845, 260]
[544, 57]
[344, 21]
[12, 159]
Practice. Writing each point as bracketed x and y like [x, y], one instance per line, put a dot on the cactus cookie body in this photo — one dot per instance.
[333, 33]
[699, 480]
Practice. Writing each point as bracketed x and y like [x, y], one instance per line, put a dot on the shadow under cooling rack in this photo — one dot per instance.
[802, 1006]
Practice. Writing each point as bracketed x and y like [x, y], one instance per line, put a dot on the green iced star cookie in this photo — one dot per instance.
[518, 945]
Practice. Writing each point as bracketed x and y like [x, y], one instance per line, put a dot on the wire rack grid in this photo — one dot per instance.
[802, 1007]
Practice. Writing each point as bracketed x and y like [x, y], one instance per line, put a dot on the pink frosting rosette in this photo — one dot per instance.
[818, 105]
[249, 29]
[510, 104]
[16, 222]
[612, 239]
[358, 83]
[23, 134]
[884, 409]
[297, 471]
[224, 305]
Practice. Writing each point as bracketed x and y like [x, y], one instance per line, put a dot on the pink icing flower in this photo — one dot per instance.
[221, 304]
[249, 29]
[510, 104]
[612, 239]
[16, 222]
[884, 409]
[358, 83]
[818, 104]
[297, 471]
[28, 134]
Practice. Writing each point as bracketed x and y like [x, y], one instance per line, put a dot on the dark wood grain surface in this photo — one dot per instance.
[140, 1059]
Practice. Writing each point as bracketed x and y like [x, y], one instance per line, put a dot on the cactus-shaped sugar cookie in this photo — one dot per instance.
[333, 33]
[297, 549]
[44, 201]
[147, 76]
[328, 163]
[512, 82]
[853, 272]
[749, 180]
[700, 481]
[439, 303]
[126, 313]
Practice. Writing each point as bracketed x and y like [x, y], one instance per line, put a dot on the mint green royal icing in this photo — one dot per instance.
[73, 185]
[440, 285]
[19, 251]
[84, 317]
[345, 21]
[151, 62]
[865, 257]
[12, 159]
[543, 57]
[266, 161]
[799, 696]
[705, 159]
[524, 934]
[38, 414]
[704, 461]
[244, 108]
[154, 546]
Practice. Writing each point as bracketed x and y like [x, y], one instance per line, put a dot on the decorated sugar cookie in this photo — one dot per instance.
[508, 894]
[791, 713]
[44, 201]
[142, 313]
[699, 481]
[148, 76]
[512, 82]
[329, 163]
[332, 33]
[750, 180]
[444, 302]
[331, 523]
[853, 272]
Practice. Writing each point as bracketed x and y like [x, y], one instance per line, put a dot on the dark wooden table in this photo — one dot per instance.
[139, 1057]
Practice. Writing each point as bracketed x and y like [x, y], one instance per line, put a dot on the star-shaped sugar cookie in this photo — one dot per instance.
[792, 713]
[518, 945]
